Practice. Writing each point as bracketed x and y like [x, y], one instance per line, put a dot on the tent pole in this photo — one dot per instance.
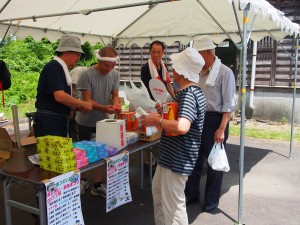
[4, 6]
[294, 96]
[243, 99]
[3, 39]
[87, 11]
[220, 25]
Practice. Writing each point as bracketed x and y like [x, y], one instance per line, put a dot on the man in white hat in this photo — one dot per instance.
[178, 154]
[218, 84]
[99, 84]
[54, 99]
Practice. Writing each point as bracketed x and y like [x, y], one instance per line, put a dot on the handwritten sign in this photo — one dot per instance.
[63, 199]
[118, 188]
[158, 90]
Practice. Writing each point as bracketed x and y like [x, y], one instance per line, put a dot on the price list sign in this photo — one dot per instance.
[118, 188]
[63, 199]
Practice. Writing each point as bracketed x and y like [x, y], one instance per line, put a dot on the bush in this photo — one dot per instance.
[25, 59]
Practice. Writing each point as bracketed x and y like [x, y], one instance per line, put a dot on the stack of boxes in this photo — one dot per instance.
[94, 150]
[80, 156]
[56, 153]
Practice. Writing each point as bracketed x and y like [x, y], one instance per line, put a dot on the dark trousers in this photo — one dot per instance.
[50, 124]
[214, 178]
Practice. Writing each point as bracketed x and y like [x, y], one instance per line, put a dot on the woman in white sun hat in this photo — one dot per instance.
[178, 154]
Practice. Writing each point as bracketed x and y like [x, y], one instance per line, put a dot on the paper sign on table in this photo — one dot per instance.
[118, 188]
[63, 199]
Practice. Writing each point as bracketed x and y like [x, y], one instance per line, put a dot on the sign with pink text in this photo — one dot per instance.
[158, 90]
[63, 199]
[118, 188]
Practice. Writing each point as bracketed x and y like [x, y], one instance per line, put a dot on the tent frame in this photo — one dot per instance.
[244, 37]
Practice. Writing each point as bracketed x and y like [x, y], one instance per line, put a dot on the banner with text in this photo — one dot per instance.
[118, 188]
[63, 199]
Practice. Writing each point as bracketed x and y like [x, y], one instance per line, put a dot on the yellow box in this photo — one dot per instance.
[61, 159]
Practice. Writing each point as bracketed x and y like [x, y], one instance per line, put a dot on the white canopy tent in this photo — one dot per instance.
[139, 22]
[131, 21]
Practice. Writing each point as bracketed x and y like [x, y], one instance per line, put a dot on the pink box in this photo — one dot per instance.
[82, 162]
[79, 153]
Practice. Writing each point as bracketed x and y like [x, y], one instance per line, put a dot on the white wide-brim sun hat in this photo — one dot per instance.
[188, 64]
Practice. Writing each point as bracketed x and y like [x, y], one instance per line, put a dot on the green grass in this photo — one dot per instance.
[267, 132]
[22, 109]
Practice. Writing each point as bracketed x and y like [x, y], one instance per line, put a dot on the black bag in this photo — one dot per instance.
[4, 76]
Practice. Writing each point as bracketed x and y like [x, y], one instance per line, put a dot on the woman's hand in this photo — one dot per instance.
[152, 119]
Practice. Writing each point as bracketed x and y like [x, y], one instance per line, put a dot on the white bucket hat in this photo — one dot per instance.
[188, 64]
[69, 43]
[203, 43]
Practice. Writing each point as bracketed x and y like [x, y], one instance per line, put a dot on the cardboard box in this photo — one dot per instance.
[154, 137]
[7, 142]
[111, 132]
[4, 156]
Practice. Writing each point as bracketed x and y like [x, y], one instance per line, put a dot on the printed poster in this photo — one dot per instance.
[63, 200]
[118, 188]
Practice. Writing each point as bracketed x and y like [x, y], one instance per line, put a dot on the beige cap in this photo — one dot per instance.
[188, 64]
[203, 43]
[69, 43]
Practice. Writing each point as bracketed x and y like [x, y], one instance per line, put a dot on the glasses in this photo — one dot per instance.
[156, 52]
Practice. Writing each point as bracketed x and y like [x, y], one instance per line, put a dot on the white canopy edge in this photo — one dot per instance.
[169, 22]
[269, 11]
[52, 35]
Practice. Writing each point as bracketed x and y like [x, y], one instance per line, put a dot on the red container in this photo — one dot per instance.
[130, 120]
[170, 112]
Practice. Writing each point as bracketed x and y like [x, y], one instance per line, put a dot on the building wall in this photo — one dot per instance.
[273, 104]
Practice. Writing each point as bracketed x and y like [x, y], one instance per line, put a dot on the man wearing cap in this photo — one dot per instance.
[178, 154]
[99, 84]
[218, 84]
[54, 100]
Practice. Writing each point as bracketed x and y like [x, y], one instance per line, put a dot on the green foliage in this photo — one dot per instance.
[23, 88]
[25, 59]
[284, 120]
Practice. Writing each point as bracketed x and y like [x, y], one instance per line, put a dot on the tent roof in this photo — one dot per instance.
[135, 22]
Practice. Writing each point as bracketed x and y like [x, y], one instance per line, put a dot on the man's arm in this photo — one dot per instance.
[67, 100]
[115, 97]
[219, 134]
[87, 96]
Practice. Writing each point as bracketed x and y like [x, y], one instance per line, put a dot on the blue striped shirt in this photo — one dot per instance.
[179, 153]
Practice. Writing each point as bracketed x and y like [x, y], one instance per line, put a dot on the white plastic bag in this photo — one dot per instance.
[217, 158]
[139, 97]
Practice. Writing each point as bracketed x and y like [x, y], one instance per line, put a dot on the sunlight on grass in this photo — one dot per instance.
[22, 109]
[267, 133]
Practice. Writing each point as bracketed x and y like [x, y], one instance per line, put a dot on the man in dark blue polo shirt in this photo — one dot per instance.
[54, 100]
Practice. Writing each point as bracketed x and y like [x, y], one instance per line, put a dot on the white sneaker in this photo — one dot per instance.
[101, 190]
[83, 186]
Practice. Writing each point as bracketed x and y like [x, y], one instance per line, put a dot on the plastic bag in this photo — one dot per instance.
[217, 158]
[139, 97]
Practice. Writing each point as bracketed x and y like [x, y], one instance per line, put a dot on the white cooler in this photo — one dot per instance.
[111, 132]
